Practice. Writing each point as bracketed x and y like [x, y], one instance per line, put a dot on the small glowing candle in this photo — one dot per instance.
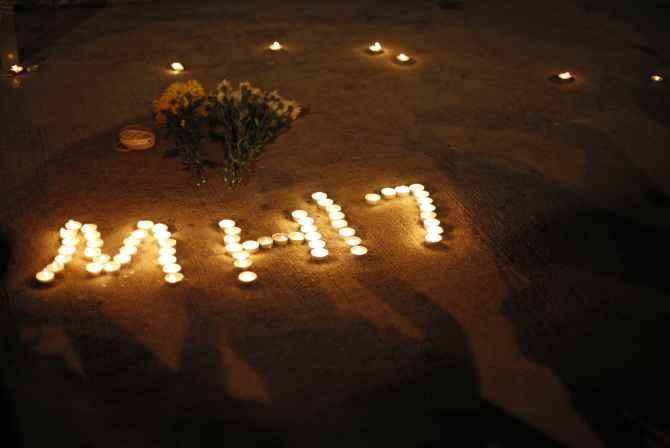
[226, 224]
[306, 221]
[174, 278]
[265, 242]
[402, 190]
[89, 228]
[101, 259]
[234, 247]
[139, 234]
[353, 241]
[112, 266]
[565, 76]
[66, 233]
[416, 187]
[241, 255]
[131, 242]
[325, 203]
[316, 244]
[56, 267]
[145, 224]
[298, 214]
[230, 239]
[280, 239]
[372, 198]
[428, 223]
[346, 232]
[167, 251]
[422, 194]
[171, 268]
[311, 236]
[164, 235]
[232, 230]
[63, 259]
[336, 216]
[247, 277]
[251, 246]
[70, 241]
[243, 264]
[94, 268]
[338, 224]
[422, 201]
[436, 229]
[319, 253]
[67, 250]
[73, 225]
[656, 78]
[92, 235]
[91, 252]
[388, 192]
[45, 276]
[95, 242]
[16, 69]
[333, 208]
[128, 250]
[296, 237]
[428, 215]
[308, 228]
[167, 259]
[177, 67]
[433, 238]
[358, 250]
[427, 208]
[122, 258]
[170, 242]
[319, 195]
[403, 58]
[376, 48]
[159, 227]
[276, 46]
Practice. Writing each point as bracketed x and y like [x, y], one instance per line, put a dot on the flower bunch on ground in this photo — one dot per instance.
[244, 120]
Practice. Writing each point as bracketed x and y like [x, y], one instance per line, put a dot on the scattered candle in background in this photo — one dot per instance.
[656, 78]
[402, 58]
[275, 46]
[16, 69]
[247, 277]
[177, 67]
[375, 48]
[562, 78]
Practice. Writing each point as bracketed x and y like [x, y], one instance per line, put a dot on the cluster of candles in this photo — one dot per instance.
[241, 252]
[427, 209]
[401, 58]
[308, 231]
[100, 263]
[338, 222]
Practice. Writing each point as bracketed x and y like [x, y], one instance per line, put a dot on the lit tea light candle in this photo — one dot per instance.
[427, 208]
[112, 266]
[437, 229]
[338, 224]
[426, 200]
[16, 69]
[170, 242]
[241, 255]
[306, 221]
[402, 58]
[325, 203]
[402, 191]
[316, 244]
[94, 243]
[140, 234]
[280, 239]
[167, 251]
[177, 67]
[656, 78]
[276, 46]
[67, 250]
[45, 276]
[174, 278]
[428, 223]
[428, 215]
[56, 267]
[298, 214]
[232, 230]
[145, 224]
[243, 264]
[91, 252]
[433, 238]
[122, 258]
[247, 277]
[66, 233]
[308, 228]
[233, 248]
[319, 195]
[86, 228]
[319, 253]
[127, 250]
[372, 198]
[171, 268]
[388, 192]
[226, 224]
[416, 187]
[358, 250]
[376, 48]
[265, 242]
[73, 225]
[159, 227]
[101, 259]
[336, 216]
[230, 239]
[346, 232]
[296, 237]
[353, 241]
[333, 208]
[63, 259]
[94, 268]
[422, 194]
[70, 241]
[131, 242]
[251, 246]
[167, 259]
[311, 236]
[564, 77]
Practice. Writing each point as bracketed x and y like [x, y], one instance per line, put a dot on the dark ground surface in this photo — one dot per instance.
[541, 322]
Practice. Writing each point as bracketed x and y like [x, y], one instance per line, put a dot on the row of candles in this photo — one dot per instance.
[100, 263]
[307, 231]
[424, 202]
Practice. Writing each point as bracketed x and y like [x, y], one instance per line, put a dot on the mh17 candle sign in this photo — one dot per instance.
[99, 263]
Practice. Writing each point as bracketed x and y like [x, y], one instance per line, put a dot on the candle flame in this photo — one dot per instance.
[565, 76]
[275, 46]
[16, 69]
[177, 67]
